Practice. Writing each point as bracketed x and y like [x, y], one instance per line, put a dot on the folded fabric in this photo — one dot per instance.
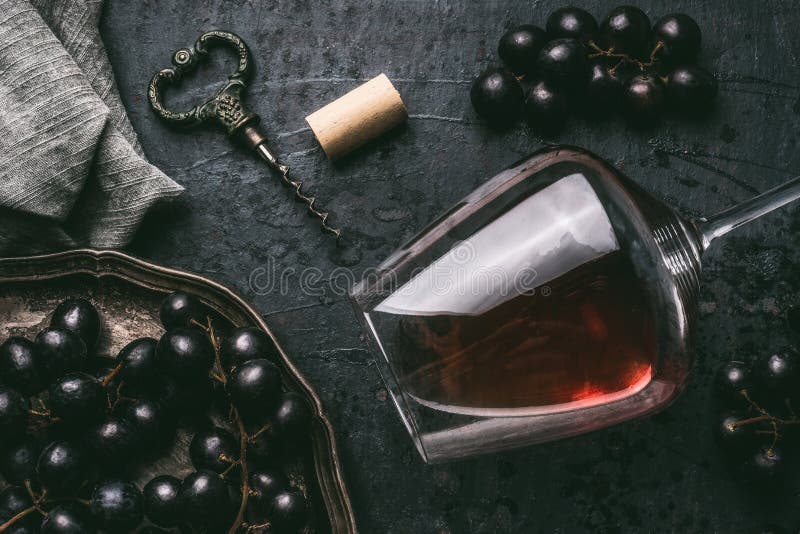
[72, 172]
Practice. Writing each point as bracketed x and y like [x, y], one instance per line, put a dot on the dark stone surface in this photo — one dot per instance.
[235, 223]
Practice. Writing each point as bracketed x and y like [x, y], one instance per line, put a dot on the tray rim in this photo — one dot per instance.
[100, 263]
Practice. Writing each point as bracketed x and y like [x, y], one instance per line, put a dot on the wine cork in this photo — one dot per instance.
[361, 115]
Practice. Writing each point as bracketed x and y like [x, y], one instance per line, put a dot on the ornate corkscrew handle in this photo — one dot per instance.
[226, 108]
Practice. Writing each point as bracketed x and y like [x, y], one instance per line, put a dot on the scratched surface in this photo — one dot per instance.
[236, 224]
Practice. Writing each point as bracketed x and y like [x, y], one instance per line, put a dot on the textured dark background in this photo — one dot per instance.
[659, 474]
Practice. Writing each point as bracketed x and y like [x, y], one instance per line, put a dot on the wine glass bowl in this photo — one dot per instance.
[557, 298]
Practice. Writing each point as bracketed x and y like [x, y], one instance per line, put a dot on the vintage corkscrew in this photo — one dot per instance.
[227, 109]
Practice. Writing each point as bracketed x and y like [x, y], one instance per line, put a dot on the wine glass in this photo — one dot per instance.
[556, 299]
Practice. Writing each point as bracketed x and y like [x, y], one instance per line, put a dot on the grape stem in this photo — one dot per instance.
[21, 515]
[625, 58]
[220, 374]
[765, 416]
[114, 372]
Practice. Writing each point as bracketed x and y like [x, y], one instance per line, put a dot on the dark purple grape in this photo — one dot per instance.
[288, 510]
[519, 47]
[138, 360]
[546, 107]
[178, 310]
[245, 344]
[254, 388]
[13, 500]
[731, 380]
[691, 89]
[78, 316]
[603, 90]
[627, 30]
[152, 424]
[777, 374]
[571, 22]
[680, 36]
[18, 366]
[13, 411]
[291, 417]
[67, 519]
[77, 398]
[114, 444]
[563, 63]
[213, 449]
[62, 468]
[204, 499]
[765, 466]
[116, 506]
[497, 97]
[18, 461]
[186, 354]
[161, 501]
[60, 351]
[643, 98]
[731, 437]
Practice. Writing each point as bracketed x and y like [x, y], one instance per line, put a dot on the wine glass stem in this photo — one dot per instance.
[722, 223]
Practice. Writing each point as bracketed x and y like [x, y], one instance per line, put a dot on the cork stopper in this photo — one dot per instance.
[361, 115]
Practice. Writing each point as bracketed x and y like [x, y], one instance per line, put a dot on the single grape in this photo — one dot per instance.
[161, 501]
[254, 388]
[643, 97]
[18, 461]
[731, 380]
[78, 316]
[691, 89]
[13, 411]
[178, 310]
[497, 97]
[187, 354]
[291, 417]
[563, 62]
[732, 438]
[680, 36]
[288, 510]
[62, 467]
[519, 47]
[77, 398]
[777, 374]
[546, 107]
[29, 525]
[603, 90]
[67, 519]
[213, 449]
[138, 360]
[264, 448]
[627, 30]
[245, 344]
[59, 352]
[204, 499]
[114, 443]
[13, 500]
[765, 465]
[152, 424]
[571, 22]
[19, 367]
[117, 506]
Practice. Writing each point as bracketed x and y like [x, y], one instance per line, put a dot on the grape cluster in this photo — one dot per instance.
[75, 427]
[756, 419]
[623, 64]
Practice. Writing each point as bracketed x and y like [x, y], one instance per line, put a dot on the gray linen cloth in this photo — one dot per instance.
[72, 172]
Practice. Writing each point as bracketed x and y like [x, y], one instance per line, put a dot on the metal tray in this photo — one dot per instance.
[127, 291]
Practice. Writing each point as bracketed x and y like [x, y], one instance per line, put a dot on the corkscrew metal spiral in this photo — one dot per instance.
[227, 109]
